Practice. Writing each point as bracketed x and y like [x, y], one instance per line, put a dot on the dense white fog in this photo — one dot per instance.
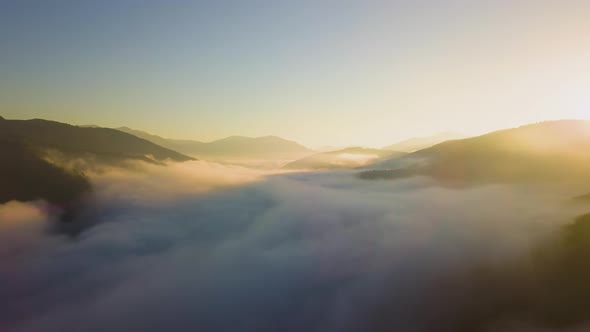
[203, 247]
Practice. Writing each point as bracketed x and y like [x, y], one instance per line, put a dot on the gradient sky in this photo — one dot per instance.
[319, 72]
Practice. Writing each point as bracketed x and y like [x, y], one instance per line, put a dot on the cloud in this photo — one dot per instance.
[151, 183]
[21, 227]
[204, 247]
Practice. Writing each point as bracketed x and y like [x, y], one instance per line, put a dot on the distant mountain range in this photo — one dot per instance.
[103, 143]
[546, 151]
[234, 147]
[344, 158]
[419, 143]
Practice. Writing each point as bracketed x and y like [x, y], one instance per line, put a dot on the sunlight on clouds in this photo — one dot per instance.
[157, 182]
[21, 227]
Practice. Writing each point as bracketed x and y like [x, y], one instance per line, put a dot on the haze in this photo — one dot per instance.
[321, 73]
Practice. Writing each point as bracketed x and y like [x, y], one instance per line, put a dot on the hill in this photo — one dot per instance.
[102, 143]
[27, 177]
[547, 151]
[26, 174]
[169, 144]
[583, 198]
[345, 158]
[419, 143]
[267, 147]
[233, 147]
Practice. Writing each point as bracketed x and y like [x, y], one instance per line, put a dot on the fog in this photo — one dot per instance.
[21, 227]
[202, 247]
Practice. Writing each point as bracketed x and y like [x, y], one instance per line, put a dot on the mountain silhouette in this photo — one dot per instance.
[152, 138]
[233, 147]
[419, 143]
[271, 147]
[344, 158]
[27, 175]
[583, 198]
[102, 143]
[546, 151]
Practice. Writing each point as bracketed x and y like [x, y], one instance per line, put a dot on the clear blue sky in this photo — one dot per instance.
[319, 72]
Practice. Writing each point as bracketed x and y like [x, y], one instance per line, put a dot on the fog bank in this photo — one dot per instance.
[203, 247]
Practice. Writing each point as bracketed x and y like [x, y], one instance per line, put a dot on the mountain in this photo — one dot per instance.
[152, 138]
[267, 147]
[419, 143]
[102, 143]
[546, 151]
[26, 174]
[345, 158]
[330, 148]
[583, 198]
[234, 147]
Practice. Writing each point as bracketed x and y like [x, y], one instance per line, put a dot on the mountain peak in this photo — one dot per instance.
[272, 137]
[240, 138]
[108, 144]
[543, 151]
[418, 143]
[231, 147]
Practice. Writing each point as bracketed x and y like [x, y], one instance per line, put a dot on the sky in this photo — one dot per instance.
[319, 72]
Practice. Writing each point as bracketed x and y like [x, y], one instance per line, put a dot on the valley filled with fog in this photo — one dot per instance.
[206, 247]
[294, 166]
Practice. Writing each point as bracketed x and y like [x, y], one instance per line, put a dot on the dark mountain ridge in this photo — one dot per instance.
[27, 177]
[108, 144]
[26, 174]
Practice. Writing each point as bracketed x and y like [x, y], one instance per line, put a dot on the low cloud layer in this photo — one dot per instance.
[21, 227]
[204, 247]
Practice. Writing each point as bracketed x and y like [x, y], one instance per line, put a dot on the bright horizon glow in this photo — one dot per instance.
[318, 73]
